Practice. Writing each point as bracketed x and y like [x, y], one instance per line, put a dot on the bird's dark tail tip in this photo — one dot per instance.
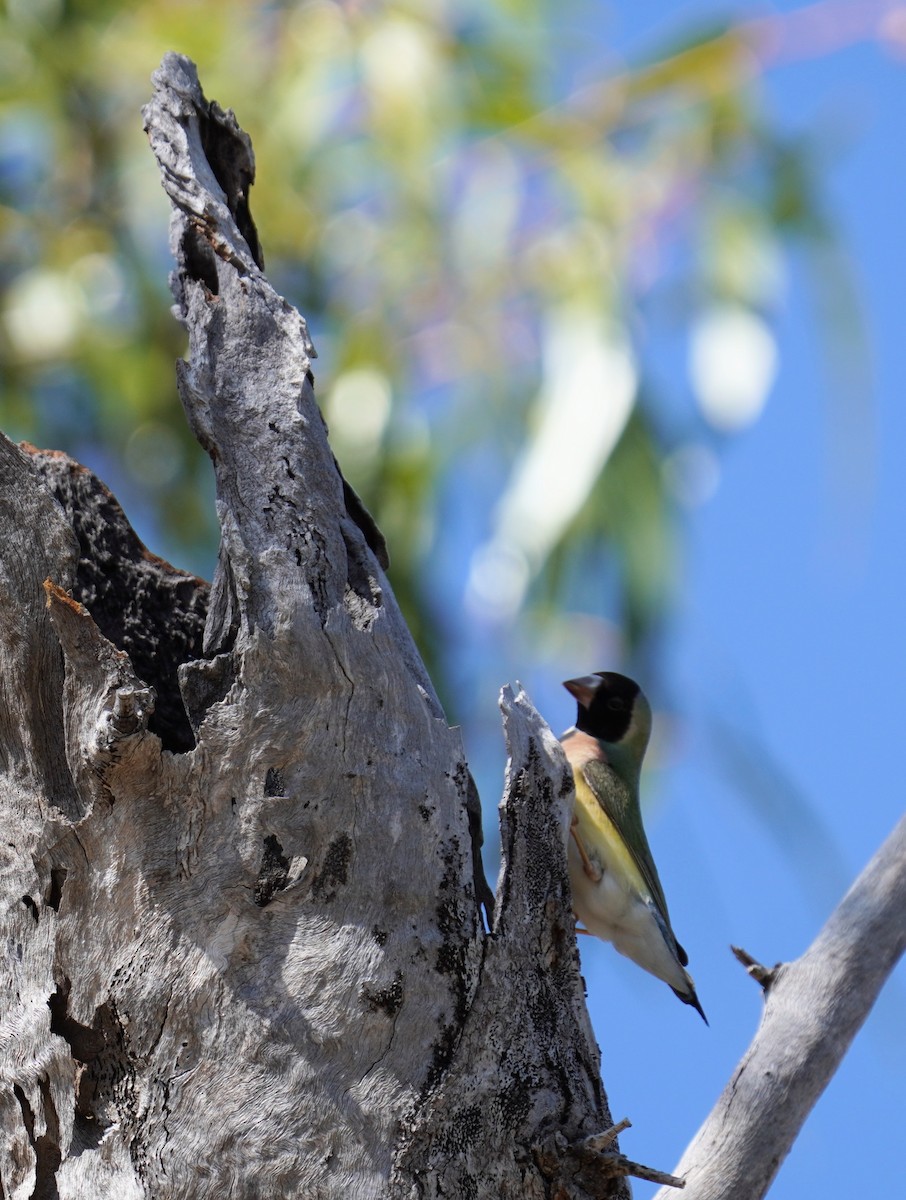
[691, 998]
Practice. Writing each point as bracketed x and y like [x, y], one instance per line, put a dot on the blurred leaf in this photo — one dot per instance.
[431, 191]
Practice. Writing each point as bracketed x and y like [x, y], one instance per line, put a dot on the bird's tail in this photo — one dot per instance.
[691, 998]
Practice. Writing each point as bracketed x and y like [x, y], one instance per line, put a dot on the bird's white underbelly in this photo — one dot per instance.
[614, 908]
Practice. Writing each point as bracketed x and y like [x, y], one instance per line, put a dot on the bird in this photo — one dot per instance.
[617, 894]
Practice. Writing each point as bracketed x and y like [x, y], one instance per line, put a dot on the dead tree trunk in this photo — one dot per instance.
[244, 949]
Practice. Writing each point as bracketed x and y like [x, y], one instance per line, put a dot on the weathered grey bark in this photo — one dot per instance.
[813, 1009]
[244, 954]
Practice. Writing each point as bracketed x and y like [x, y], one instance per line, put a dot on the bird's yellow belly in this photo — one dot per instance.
[615, 904]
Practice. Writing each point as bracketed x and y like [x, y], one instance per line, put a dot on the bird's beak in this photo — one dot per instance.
[583, 689]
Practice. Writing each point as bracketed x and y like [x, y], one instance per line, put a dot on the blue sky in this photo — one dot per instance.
[789, 632]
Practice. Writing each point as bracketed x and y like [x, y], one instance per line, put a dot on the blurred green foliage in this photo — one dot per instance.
[466, 203]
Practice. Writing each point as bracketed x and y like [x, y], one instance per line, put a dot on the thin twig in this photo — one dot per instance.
[600, 1141]
[638, 1171]
[760, 973]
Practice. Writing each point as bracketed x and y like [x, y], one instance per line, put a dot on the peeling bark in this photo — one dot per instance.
[245, 954]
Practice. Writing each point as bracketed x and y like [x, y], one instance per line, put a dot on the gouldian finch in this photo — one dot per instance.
[616, 891]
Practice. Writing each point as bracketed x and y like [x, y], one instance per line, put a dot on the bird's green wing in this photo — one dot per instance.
[616, 800]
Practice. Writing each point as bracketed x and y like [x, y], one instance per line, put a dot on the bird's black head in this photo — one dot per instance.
[607, 702]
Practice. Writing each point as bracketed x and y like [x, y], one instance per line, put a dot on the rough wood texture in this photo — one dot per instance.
[139, 602]
[813, 1009]
[244, 955]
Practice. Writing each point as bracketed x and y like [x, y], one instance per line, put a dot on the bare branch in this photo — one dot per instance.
[813, 1009]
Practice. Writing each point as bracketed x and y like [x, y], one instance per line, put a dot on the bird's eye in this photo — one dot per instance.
[616, 704]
